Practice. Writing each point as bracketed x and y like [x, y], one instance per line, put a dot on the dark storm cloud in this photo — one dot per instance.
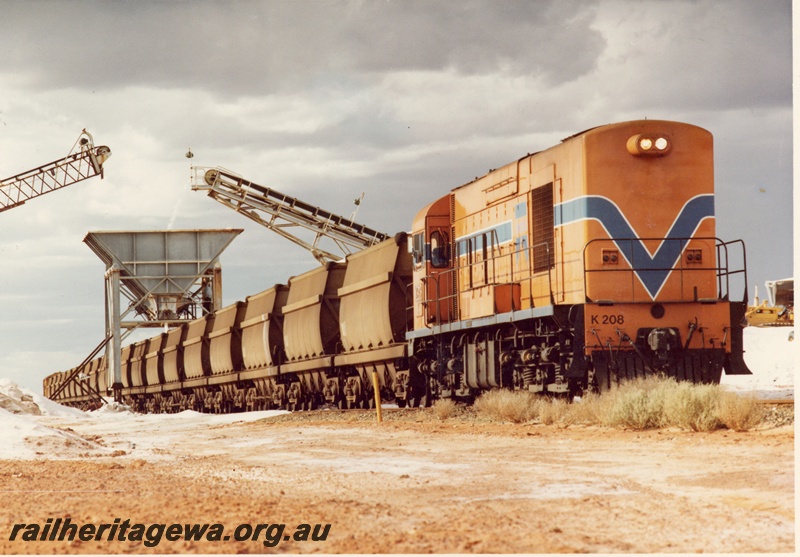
[241, 48]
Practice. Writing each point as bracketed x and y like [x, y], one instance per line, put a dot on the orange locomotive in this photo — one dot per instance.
[576, 267]
[570, 269]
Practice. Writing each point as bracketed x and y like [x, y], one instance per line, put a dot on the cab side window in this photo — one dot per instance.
[418, 249]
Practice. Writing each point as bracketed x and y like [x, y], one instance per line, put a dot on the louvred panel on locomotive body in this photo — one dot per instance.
[262, 339]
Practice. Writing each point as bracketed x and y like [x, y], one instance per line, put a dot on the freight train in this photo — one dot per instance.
[568, 270]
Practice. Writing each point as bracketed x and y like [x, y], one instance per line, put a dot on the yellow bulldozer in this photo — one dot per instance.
[777, 310]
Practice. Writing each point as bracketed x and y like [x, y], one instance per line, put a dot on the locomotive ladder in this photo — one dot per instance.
[279, 212]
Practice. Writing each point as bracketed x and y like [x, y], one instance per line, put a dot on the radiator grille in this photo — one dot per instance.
[542, 201]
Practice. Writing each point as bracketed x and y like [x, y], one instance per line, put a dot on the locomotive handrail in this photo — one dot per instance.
[721, 269]
[723, 246]
[497, 278]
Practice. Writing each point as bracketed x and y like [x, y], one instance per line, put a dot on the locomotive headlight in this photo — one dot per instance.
[647, 144]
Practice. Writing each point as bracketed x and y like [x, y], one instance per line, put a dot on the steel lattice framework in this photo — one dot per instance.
[84, 161]
[280, 212]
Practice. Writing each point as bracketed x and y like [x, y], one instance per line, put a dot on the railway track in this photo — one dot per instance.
[771, 401]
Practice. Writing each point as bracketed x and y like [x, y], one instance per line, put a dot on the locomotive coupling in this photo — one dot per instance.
[663, 340]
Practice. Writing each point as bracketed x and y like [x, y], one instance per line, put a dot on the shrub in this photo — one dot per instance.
[586, 409]
[739, 413]
[445, 408]
[693, 407]
[555, 410]
[513, 406]
[646, 403]
[636, 404]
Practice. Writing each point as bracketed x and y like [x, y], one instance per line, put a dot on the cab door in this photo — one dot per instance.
[440, 276]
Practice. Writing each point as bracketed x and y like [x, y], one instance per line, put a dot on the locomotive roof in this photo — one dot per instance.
[573, 136]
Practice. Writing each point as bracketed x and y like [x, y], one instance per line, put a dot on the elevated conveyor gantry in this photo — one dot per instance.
[280, 212]
[83, 161]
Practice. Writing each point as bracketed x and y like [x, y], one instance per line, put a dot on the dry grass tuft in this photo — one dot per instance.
[445, 408]
[639, 404]
[555, 411]
[692, 407]
[512, 406]
[740, 413]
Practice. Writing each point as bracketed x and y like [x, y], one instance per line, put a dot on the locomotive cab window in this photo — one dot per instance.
[440, 250]
[417, 248]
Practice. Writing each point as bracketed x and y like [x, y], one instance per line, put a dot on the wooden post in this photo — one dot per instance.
[377, 390]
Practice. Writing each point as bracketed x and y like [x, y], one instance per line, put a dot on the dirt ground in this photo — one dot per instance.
[413, 484]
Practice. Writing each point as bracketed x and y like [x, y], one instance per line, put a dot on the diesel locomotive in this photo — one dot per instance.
[571, 269]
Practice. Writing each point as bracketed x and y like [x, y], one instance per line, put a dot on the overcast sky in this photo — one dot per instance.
[324, 100]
